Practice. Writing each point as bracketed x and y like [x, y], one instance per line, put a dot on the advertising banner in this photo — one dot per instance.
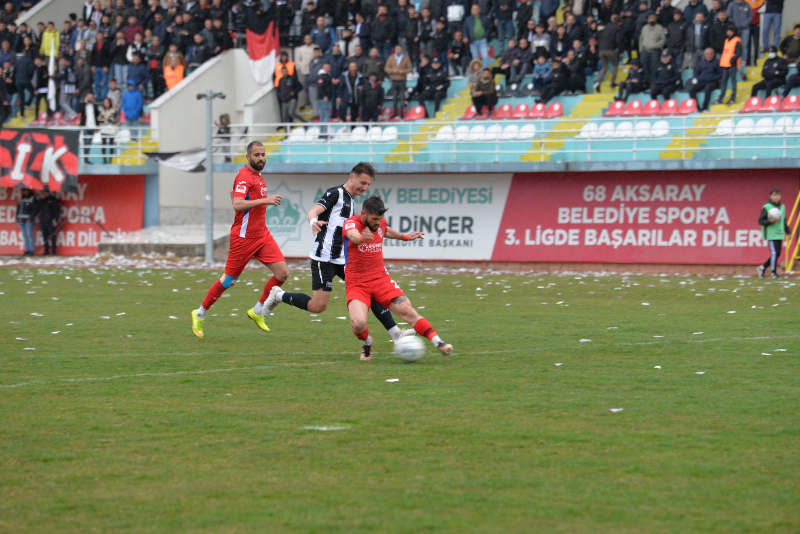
[459, 214]
[115, 203]
[39, 159]
[702, 217]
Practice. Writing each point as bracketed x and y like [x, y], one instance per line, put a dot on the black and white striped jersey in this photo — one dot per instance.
[329, 245]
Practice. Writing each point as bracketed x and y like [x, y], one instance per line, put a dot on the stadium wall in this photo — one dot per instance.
[662, 217]
[56, 11]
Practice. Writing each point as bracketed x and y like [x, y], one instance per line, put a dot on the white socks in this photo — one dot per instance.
[436, 341]
[279, 294]
[201, 313]
[395, 332]
[258, 308]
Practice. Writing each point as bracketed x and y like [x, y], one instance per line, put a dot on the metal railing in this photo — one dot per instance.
[598, 139]
[120, 145]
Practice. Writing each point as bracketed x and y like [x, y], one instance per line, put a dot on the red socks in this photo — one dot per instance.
[272, 282]
[363, 335]
[424, 328]
[214, 293]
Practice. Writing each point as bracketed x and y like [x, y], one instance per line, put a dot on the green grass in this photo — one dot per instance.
[131, 423]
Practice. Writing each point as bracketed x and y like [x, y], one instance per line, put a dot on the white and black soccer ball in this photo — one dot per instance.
[409, 348]
[774, 215]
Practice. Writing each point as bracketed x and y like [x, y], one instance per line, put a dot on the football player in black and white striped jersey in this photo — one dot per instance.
[328, 254]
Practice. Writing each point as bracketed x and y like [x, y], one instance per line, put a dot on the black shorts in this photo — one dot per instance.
[322, 274]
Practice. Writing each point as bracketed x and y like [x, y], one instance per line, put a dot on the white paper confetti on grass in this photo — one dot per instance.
[69, 324]
[343, 318]
[21, 339]
[316, 320]
[29, 348]
[393, 380]
[56, 332]
[657, 367]
[105, 317]
[658, 336]
[558, 364]
[613, 328]
[697, 333]
[645, 304]
[699, 372]
[326, 428]
[37, 315]
[172, 317]
[55, 298]
[731, 312]
[779, 350]
[585, 341]
[122, 313]
[615, 410]
[766, 354]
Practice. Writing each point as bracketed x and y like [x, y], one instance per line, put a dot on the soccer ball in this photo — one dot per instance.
[409, 348]
[774, 215]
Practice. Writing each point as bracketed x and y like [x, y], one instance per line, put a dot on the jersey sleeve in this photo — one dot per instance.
[353, 223]
[329, 199]
[240, 187]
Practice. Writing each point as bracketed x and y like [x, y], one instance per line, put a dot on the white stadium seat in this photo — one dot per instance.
[782, 125]
[724, 128]
[492, 133]
[374, 134]
[588, 130]
[606, 129]
[623, 130]
[389, 134]
[358, 135]
[312, 134]
[510, 132]
[660, 129]
[527, 132]
[764, 126]
[297, 135]
[462, 133]
[744, 127]
[124, 136]
[642, 130]
[445, 133]
[342, 135]
[476, 133]
[796, 128]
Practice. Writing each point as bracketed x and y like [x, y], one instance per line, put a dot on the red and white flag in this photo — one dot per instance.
[263, 42]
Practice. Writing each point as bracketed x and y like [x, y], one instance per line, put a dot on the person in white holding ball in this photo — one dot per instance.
[773, 229]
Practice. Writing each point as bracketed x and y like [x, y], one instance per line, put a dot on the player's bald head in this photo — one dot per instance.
[253, 144]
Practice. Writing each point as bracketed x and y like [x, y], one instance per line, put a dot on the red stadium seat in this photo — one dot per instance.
[483, 115]
[145, 119]
[633, 109]
[502, 112]
[58, 119]
[669, 107]
[688, 107]
[386, 114]
[520, 112]
[469, 114]
[615, 110]
[752, 105]
[791, 103]
[555, 110]
[122, 117]
[397, 117]
[41, 120]
[771, 104]
[651, 108]
[416, 113]
[76, 121]
[538, 111]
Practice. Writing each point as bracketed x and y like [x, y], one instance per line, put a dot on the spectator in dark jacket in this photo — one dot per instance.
[137, 73]
[694, 7]
[609, 45]
[548, 9]
[665, 12]
[676, 38]
[706, 79]
[26, 212]
[666, 78]
[790, 46]
[24, 69]
[719, 32]
[324, 93]
[459, 54]
[200, 53]
[436, 84]
[524, 14]
[372, 99]
[506, 60]
[522, 63]
[49, 210]
[774, 73]
[697, 39]
[288, 89]
[635, 82]
[350, 90]
[384, 32]
[555, 83]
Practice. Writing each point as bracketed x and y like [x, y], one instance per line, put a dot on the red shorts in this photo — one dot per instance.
[381, 290]
[243, 250]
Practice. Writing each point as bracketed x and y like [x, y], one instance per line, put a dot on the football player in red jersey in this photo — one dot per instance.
[368, 280]
[250, 238]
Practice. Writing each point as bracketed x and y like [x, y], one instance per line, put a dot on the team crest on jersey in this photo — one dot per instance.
[380, 232]
[263, 190]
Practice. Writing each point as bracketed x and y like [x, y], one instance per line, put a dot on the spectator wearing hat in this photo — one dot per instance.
[774, 72]
[790, 46]
[283, 62]
[436, 84]
[730, 61]
[666, 78]
[651, 41]
[707, 77]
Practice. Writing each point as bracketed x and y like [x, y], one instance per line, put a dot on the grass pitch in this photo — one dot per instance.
[119, 422]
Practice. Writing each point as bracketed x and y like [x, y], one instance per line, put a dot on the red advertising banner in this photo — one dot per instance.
[702, 217]
[115, 203]
[39, 159]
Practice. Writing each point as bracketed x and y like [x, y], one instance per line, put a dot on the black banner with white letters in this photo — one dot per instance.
[39, 159]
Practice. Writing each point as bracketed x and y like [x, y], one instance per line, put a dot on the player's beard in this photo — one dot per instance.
[257, 165]
[373, 227]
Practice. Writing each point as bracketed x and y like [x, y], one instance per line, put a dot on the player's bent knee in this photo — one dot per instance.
[314, 307]
[358, 325]
[227, 281]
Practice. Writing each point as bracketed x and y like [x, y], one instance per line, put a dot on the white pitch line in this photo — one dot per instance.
[279, 365]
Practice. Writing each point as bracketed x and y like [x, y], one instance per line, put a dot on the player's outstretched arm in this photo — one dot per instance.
[357, 237]
[316, 225]
[240, 204]
[391, 233]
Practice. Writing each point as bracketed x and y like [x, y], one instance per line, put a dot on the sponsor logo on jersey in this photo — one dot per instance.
[241, 188]
[370, 248]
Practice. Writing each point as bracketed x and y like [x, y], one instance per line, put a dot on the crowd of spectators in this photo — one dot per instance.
[341, 51]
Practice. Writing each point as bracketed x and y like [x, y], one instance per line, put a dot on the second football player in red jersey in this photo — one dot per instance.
[368, 280]
[250, 238]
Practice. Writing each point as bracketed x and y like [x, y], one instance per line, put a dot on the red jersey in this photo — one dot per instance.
[252, 223]
[364, 261]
